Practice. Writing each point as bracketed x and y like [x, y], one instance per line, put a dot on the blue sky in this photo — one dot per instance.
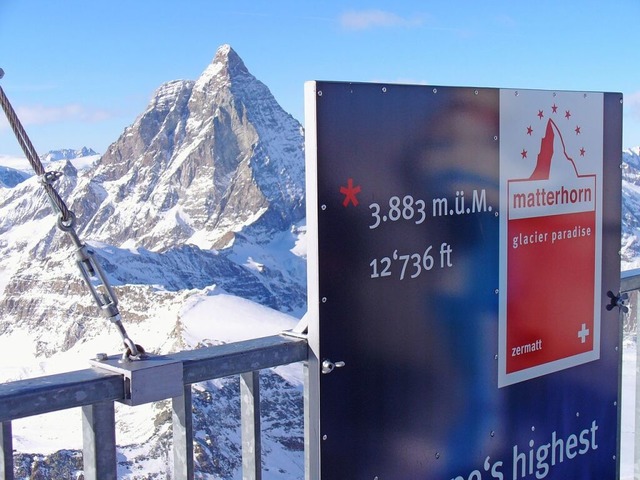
[79, 72]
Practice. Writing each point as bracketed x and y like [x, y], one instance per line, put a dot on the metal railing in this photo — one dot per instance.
[96, 389]
[630, 284]
[630, 280]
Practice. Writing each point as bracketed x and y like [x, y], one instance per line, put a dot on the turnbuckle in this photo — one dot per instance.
[105, 298]
[96, 279]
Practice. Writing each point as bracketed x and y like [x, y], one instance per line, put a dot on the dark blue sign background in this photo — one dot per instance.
[409, 299]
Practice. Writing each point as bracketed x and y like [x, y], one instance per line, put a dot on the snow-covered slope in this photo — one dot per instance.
[205, 317]
[631, 209]
[15, 170]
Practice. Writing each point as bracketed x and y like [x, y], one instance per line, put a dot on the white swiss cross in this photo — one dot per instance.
[583, 333]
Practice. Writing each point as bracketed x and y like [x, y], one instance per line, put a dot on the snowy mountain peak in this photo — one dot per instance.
[224, 49]
[10, 177]
[165, 96]
[630, 250]
[631, 157]
[67, 154]
[227, 56]
[205, 160]
[226, 68]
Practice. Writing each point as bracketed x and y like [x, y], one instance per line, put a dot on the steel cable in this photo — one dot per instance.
[94, 276]
[34, 160]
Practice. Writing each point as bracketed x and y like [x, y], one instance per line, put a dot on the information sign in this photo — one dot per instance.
[461, 244]
[551, 154]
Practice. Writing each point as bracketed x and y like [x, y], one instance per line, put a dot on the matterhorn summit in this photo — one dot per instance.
[226, 65]
[205, 160]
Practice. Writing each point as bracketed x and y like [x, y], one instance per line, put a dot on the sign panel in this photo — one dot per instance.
[551, 153]
[461, 245]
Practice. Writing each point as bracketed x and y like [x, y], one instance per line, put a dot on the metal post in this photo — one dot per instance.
[636, 456]
[6, 452]
[250, 415]
[311, 418]
[182, 436]
[99, 441]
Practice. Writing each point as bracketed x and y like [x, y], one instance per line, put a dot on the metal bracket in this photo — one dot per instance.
[301, 330]
[155, 378]
[328, 366]
[621, 300]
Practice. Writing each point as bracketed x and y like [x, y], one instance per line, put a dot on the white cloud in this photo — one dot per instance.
[633, 103]
[19, 163]
[42, 114]
[365, 19]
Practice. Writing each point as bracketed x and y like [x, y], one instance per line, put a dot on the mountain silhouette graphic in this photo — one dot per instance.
[543, 163]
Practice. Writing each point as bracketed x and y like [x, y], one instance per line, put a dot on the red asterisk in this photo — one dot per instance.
[567, 114]
[578, 130]
[350, 193]
[540, 114]
[582, 152]
[529, 130]
[554, 108]
[523, 153]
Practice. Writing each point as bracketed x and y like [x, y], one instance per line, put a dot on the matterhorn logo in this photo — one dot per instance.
[555, 186]
[551, 176]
